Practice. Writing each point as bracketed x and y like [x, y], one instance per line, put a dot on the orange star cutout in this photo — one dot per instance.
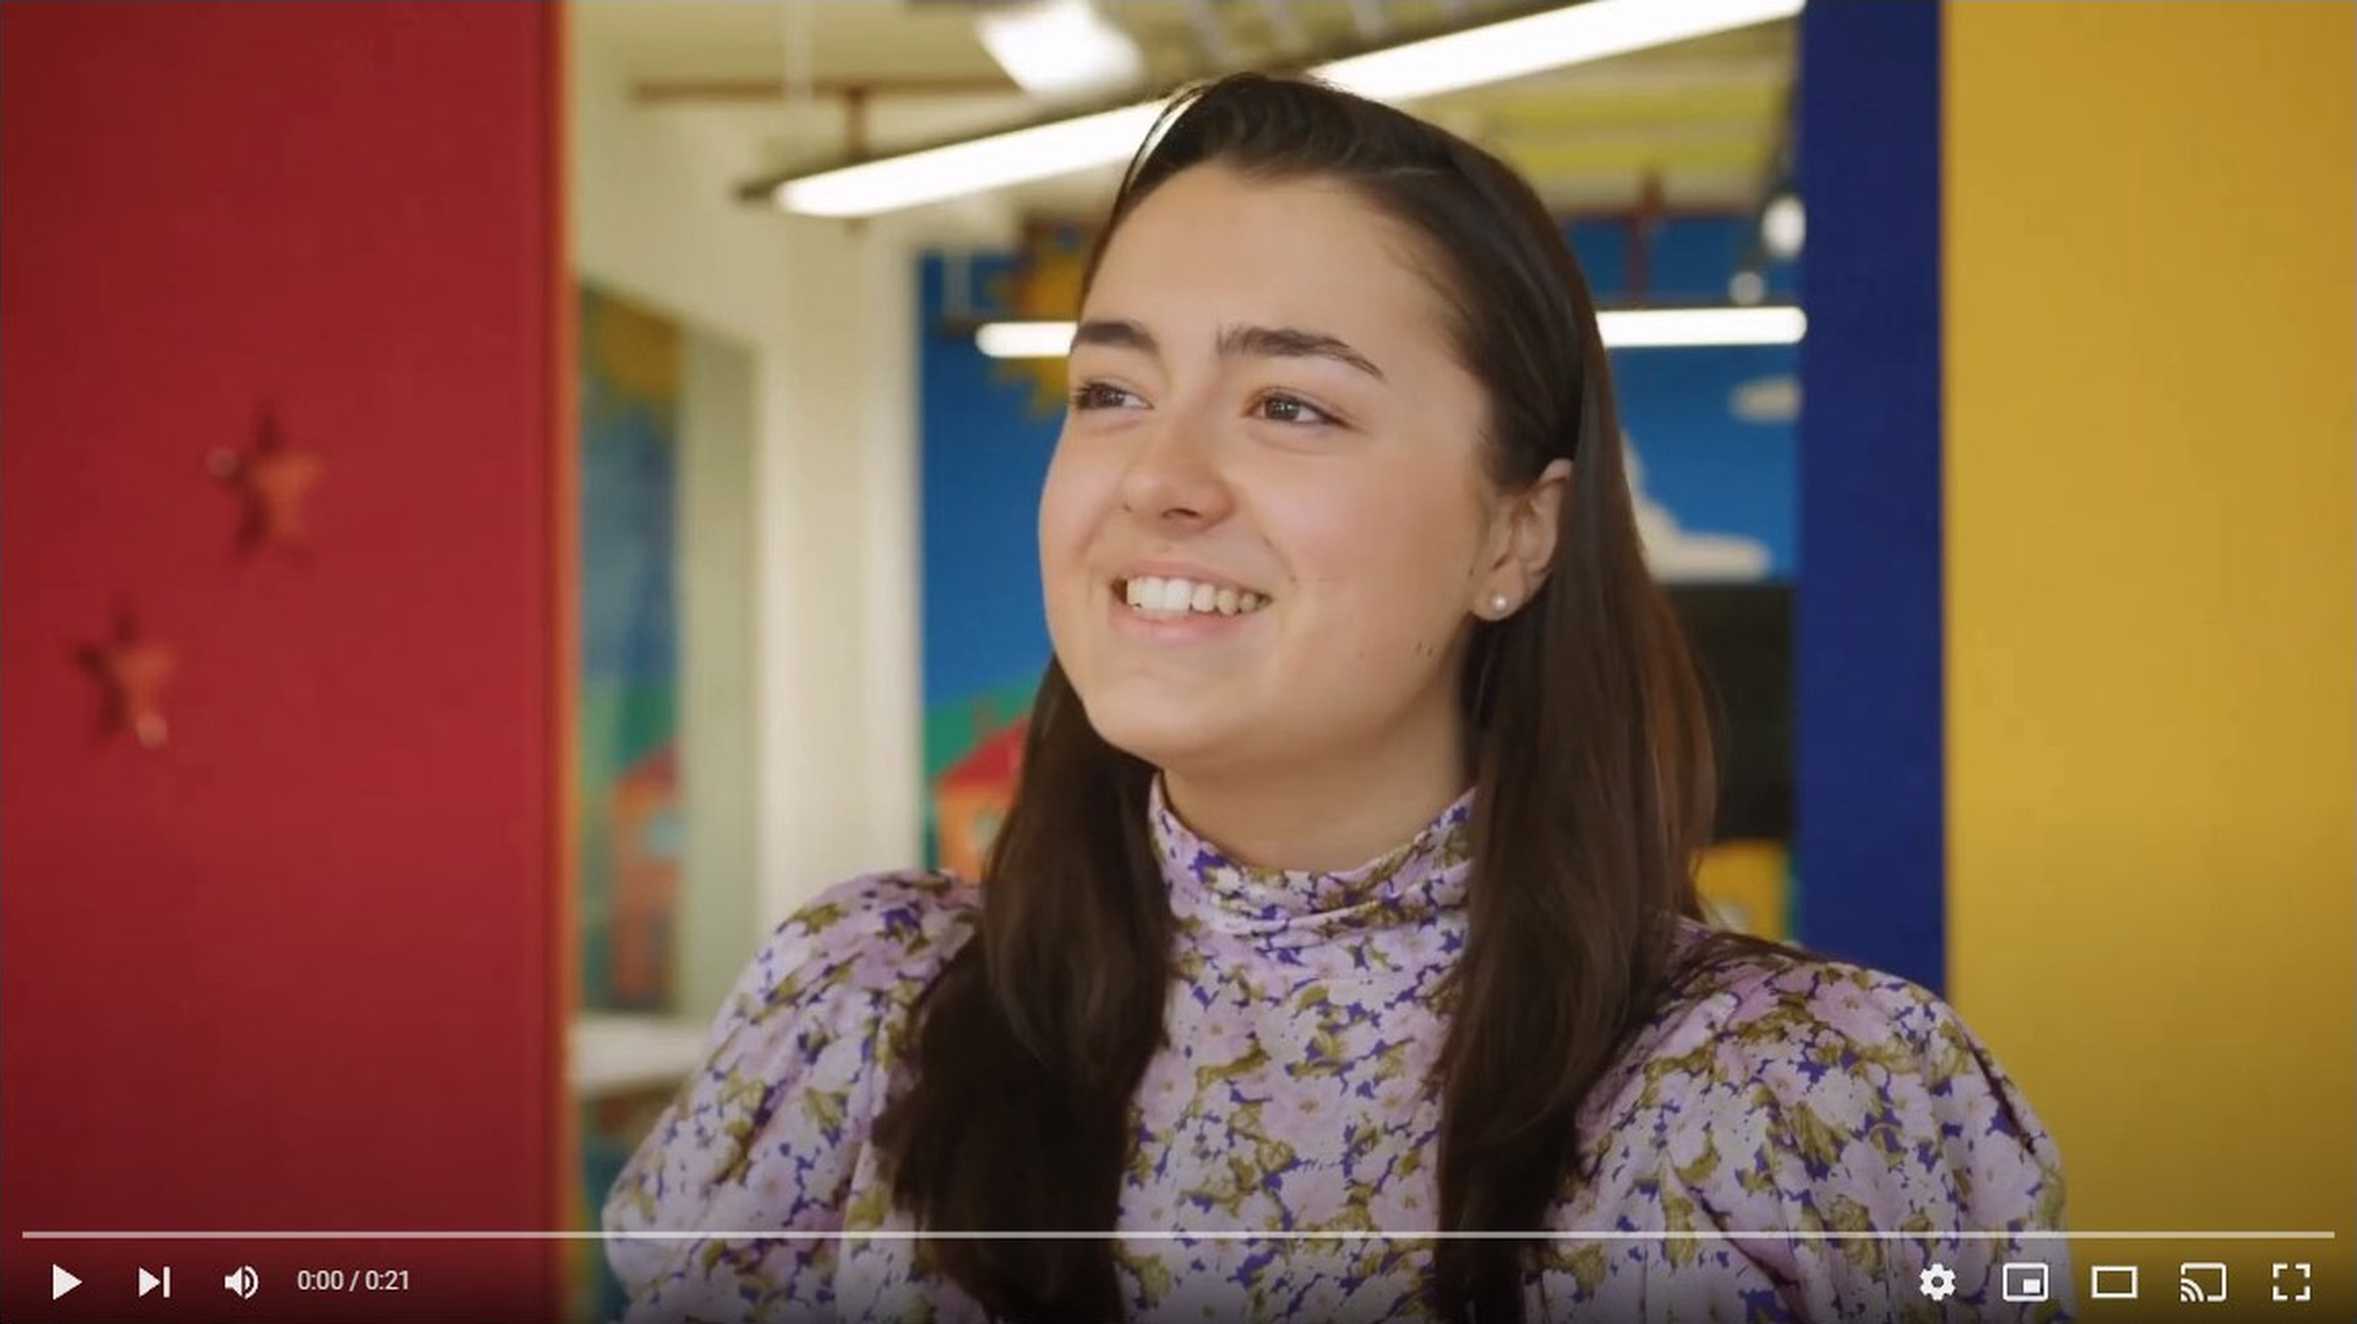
[132, 671]
[273, 480]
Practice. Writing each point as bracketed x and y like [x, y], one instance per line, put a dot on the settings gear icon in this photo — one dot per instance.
[1938, 1282]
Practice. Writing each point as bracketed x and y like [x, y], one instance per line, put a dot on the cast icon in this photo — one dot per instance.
[2201, 1283]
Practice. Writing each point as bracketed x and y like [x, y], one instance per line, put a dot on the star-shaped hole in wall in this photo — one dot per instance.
[131, 671]
[273, 482]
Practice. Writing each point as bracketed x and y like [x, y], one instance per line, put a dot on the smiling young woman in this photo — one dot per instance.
[1349, 886]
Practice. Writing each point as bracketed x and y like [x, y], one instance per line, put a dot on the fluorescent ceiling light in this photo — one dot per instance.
[1060, 48]
[1783, 226]
[971, 167]
[1573, 34]
[1645, 328]
[1487, 54]
[1024, 340]
[1641, 328]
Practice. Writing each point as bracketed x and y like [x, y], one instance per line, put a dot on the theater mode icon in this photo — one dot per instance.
[2112, 1282]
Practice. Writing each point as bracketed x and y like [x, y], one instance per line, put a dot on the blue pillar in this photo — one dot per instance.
[1869, 775]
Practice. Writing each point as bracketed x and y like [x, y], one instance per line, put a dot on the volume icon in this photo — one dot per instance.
[244, 1281]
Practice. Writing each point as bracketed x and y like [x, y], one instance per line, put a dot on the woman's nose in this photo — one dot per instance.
[1176, 475]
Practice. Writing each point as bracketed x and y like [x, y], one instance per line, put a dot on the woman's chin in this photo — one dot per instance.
[1160, 733]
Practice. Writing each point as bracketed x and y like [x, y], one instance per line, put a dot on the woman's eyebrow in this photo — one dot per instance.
[1284, 342]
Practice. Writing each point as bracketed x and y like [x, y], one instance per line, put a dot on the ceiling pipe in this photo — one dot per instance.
[672, 91]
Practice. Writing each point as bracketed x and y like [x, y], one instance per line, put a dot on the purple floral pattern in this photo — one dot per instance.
[1761, 1119]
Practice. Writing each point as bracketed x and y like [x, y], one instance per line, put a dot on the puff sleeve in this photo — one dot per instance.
[1835, 1106]
[766, 1134]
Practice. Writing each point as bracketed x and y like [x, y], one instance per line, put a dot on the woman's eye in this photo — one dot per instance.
[1101, 395]
[1086, 396]
[1321, 415]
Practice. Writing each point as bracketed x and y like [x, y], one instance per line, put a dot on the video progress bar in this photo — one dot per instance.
[894, 1234]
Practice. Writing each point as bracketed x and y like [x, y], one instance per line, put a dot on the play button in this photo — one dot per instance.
[61, 1282]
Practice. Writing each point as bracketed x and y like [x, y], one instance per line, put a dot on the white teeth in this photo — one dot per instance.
[1149, 593]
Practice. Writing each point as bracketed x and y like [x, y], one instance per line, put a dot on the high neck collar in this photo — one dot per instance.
[1330, 923]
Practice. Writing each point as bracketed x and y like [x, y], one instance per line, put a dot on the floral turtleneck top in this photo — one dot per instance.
[1787, 1139]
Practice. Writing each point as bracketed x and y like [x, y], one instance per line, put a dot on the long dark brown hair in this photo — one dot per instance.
[1588, 737]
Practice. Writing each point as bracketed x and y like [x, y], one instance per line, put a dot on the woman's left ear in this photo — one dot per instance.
[1538, 521]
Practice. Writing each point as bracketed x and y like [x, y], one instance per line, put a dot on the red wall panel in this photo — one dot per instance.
[297, 968]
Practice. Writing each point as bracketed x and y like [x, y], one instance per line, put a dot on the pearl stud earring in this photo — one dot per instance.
[1497, 603]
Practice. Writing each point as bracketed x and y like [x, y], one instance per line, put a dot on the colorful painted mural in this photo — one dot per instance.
[627, 739]
[629, 704]
[973, 796]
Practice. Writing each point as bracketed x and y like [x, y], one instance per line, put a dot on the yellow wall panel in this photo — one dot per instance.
[2151, 570]
[1746, 883]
